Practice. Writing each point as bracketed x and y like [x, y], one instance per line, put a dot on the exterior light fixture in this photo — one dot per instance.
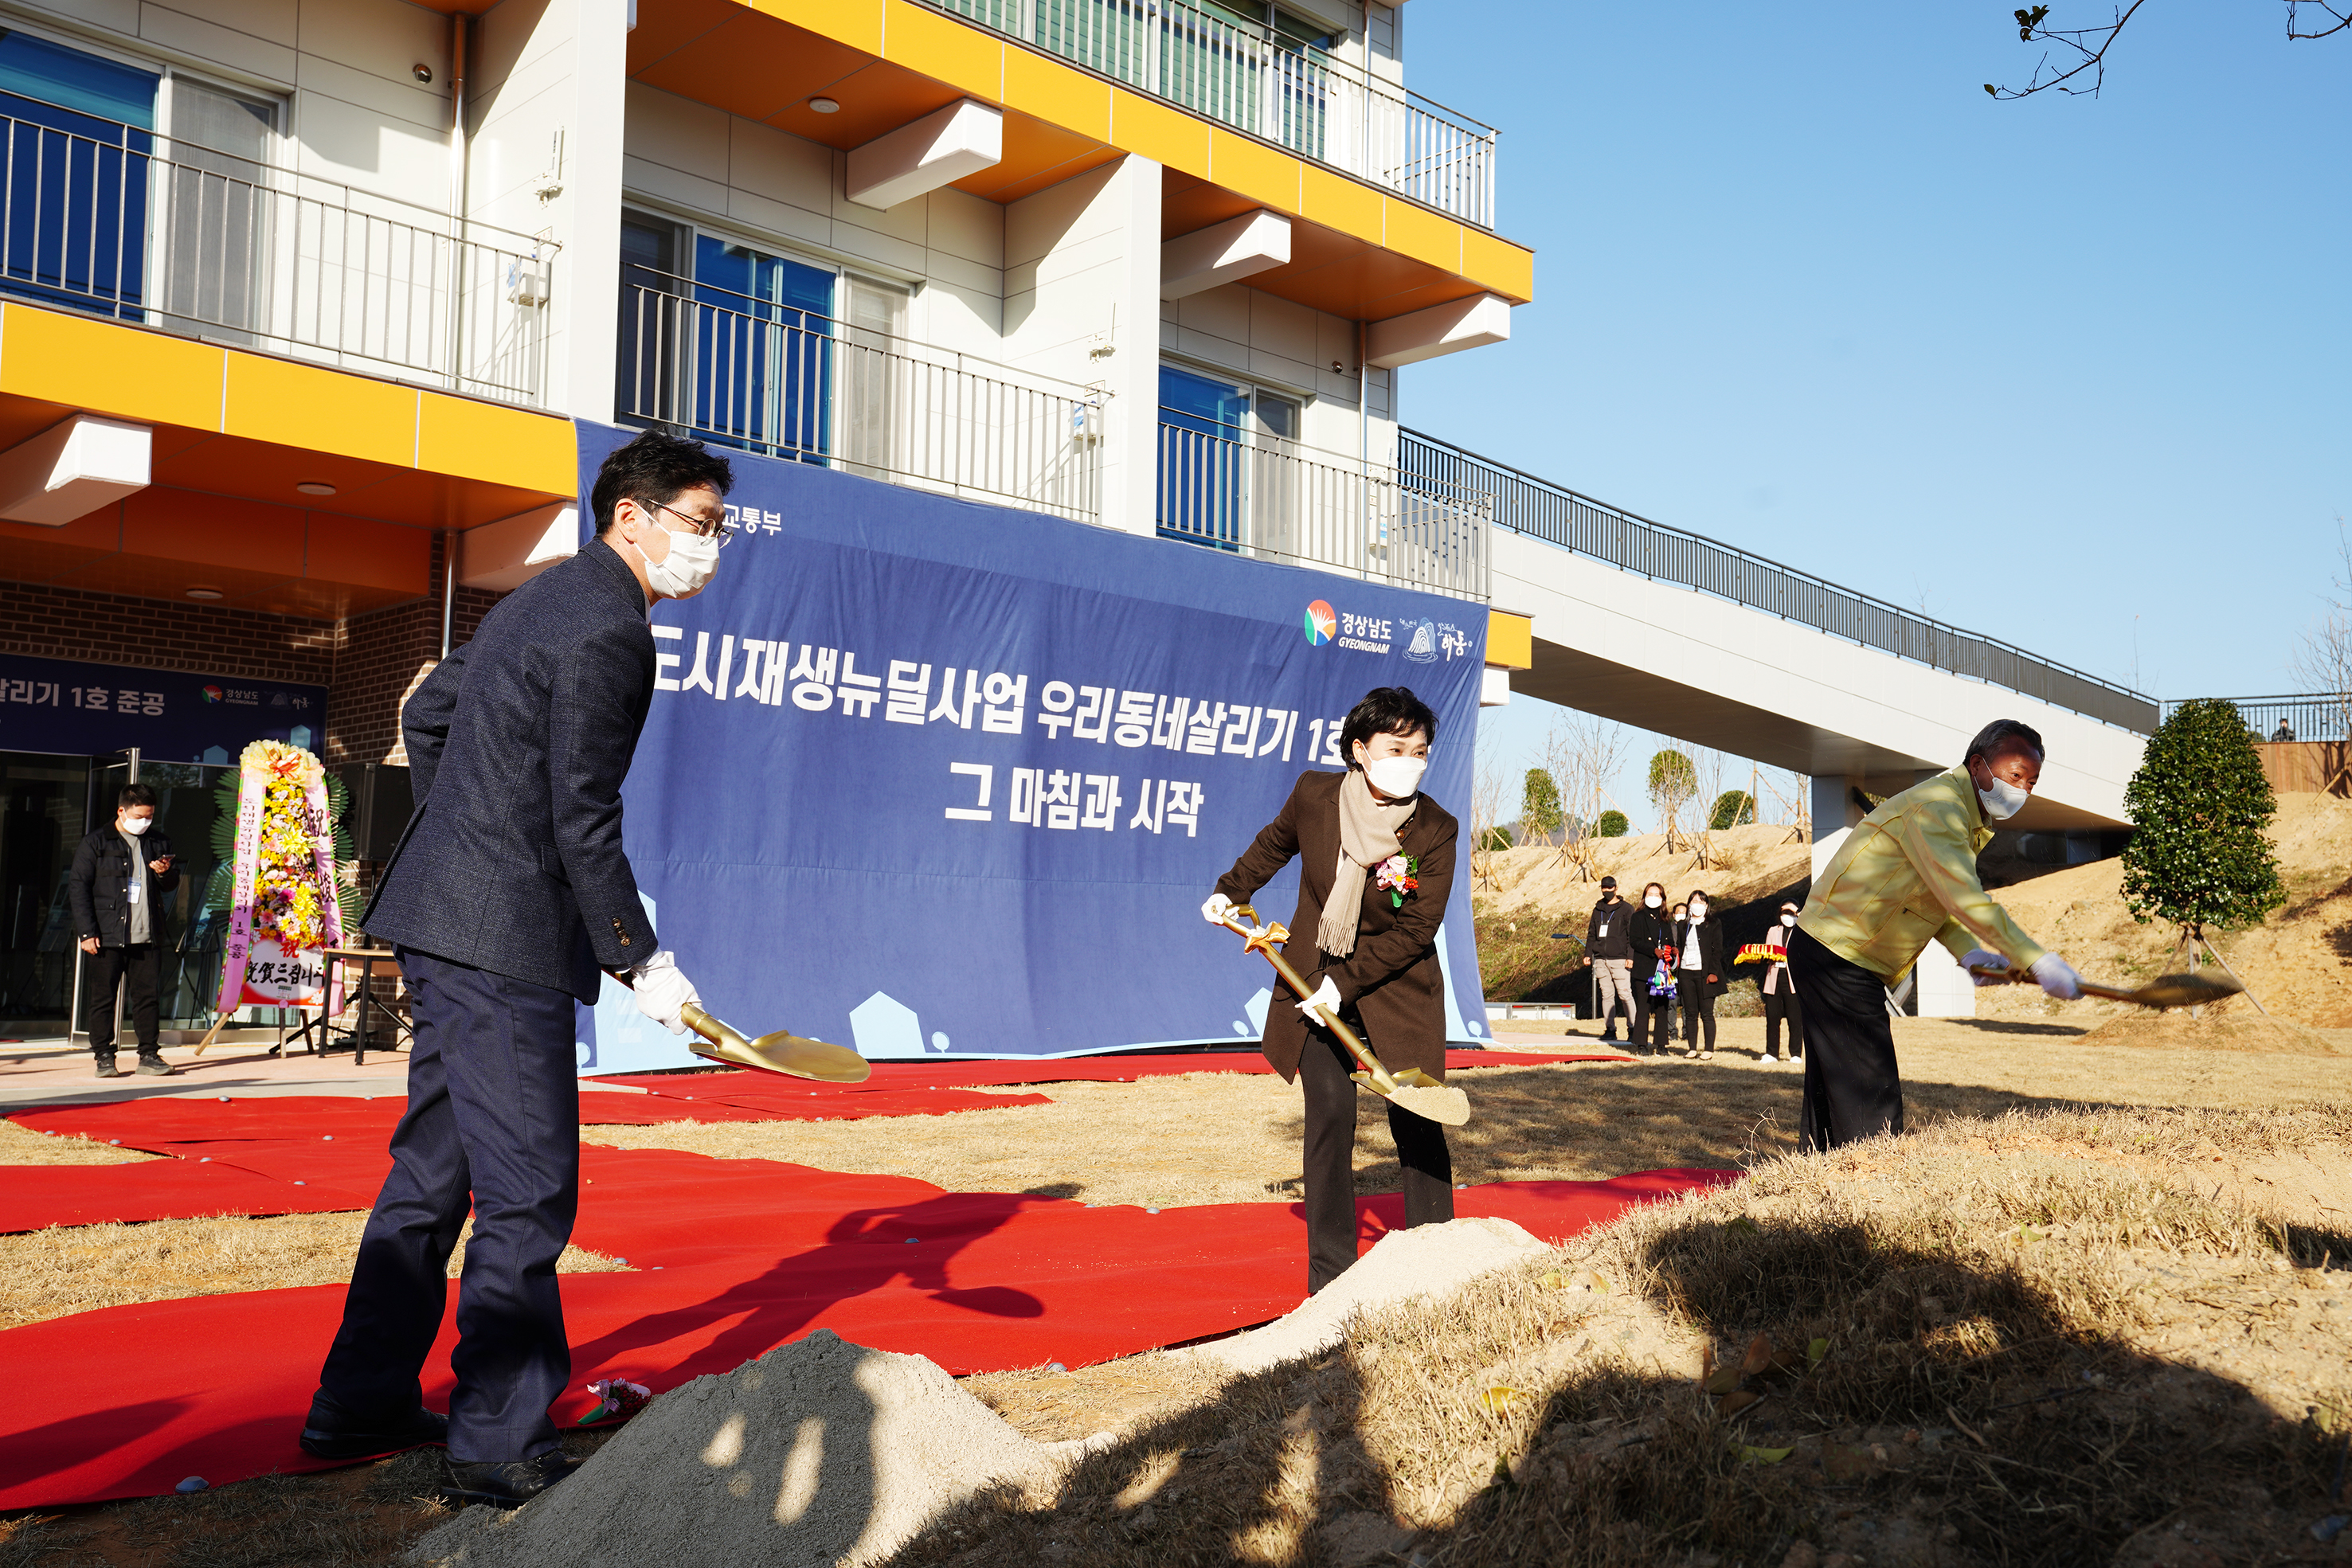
[823, 105]
[421, 71]
[315, 487]
[202, 592]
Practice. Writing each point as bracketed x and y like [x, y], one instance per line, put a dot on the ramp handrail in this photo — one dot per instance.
[1558, 516]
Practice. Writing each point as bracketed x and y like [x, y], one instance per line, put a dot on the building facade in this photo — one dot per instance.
[298, 299]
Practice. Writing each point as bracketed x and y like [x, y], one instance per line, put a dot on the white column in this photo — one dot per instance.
[1131, 438]
[1836, 812]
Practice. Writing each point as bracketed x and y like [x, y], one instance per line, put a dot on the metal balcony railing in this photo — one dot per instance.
[2310, 715]
[1276, 501]
[1248, 76]
[216, 246]
[777, 379]
[1558, 516]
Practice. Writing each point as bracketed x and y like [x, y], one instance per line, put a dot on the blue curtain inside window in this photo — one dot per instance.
[763, 351]
[78, 129]
[1202, 426]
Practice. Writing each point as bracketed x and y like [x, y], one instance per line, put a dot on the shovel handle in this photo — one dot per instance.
[1382, 1080]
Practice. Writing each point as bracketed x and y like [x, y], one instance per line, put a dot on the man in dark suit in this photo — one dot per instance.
[121, 874]
[506, 897]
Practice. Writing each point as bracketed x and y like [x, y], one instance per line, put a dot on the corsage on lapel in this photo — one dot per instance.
[1401, 875]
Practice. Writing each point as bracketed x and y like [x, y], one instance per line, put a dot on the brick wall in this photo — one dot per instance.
[379, 659]
[368, 663]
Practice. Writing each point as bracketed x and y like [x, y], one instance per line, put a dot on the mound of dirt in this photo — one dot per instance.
[2246, 1030]
[1742, 863]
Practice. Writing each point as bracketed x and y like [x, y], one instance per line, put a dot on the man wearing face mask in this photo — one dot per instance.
[1907, 875]
[119, 871]
[1367, 943]
[507, 899]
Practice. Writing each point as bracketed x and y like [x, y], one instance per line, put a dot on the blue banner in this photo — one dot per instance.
[63, 705]
[926, 778]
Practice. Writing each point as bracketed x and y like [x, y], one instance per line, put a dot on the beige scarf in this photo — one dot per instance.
[1368, 835]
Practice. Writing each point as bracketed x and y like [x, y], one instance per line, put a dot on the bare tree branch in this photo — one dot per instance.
[2088, 47]
[2343, 19]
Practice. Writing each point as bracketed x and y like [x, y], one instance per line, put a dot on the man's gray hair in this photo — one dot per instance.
[1991, 738]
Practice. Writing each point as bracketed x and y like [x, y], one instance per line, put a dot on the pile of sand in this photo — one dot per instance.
[1403, 1266]
[823, 1452]
[818, 1452]
[2234, 1030]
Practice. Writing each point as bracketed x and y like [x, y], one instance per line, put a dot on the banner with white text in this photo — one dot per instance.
[928, 778]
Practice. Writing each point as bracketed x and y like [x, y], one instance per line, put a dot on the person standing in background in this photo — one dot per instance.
[118, 872]
[1609, 949]
[1780, 992]
[1653, 938]
[1698, 975]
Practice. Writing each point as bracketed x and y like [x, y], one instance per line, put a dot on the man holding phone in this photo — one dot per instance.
[118, 872]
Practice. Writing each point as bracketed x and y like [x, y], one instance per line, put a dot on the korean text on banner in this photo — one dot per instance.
[922, 776]
[284, 910]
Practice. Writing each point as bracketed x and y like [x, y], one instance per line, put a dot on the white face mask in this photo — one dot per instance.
[1788, 920]
[686, 571]
[2004, 801]
[1698, 913]
[1396, 777]
[136, 826]
[1652, 901]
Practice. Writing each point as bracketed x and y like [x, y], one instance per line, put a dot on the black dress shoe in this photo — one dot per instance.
[331, 1435]
[507, 1483]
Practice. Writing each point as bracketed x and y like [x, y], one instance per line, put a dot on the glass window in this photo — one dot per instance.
[68, 78]
[78, 132]
[762, 350]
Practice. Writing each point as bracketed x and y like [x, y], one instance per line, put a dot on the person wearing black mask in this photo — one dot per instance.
[1653, 935]
[121, 874]
[1609, 949]
[1698, 976]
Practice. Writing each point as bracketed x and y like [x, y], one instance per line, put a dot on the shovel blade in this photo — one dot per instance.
[2185, 990]
[1434, 1102]
[794, 1055]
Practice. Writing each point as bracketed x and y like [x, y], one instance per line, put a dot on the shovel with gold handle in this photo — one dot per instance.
[2164, 991]
[1412, 1089]
[782, 1051]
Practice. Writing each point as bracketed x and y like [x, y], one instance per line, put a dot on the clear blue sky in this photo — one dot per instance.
[2069, 371]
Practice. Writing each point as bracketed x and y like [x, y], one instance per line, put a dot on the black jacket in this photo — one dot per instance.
[1651, 930]
[517, 747]
[1710, 952]
[1618, 942]
[99, 885]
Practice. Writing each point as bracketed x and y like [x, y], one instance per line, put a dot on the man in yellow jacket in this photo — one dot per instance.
[1907, 875]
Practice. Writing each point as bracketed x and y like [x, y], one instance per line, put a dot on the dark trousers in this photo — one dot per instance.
[133, 969]
[1853, 1086]
[1699, 1006]
[493, 1124]
[1330, 1161]
[1781, 1003]
[1653, 1017]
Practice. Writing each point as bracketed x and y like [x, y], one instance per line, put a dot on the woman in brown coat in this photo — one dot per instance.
[1370, 953]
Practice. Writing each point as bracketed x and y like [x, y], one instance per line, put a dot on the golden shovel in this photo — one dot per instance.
[1414, 1089]
[782, 1052]
[2164, 991]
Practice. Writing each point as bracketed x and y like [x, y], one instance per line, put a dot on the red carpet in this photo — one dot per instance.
[731, 1258]
[35, 1197]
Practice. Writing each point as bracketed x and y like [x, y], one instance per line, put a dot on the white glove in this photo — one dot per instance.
[1327, 996]
[2057, 976]
[662, 991]
[1986, 959]
[1218, 909]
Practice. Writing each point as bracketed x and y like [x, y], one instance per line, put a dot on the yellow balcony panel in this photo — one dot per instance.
[509, 446]
[1339, 202]
[860, 24]
[1254, 170]
[110, 368]
[1498, 266]
[1164, 134]
[1510, 640]
[944, 50]
[1057, 94]
[304, 405]
[1421, 235]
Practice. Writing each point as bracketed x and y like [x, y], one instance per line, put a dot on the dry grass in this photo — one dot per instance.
[79, 1268]
[21, 1147]
[2027, 1357]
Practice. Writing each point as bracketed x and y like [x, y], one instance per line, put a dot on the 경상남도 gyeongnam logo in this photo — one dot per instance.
[1322, 623]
